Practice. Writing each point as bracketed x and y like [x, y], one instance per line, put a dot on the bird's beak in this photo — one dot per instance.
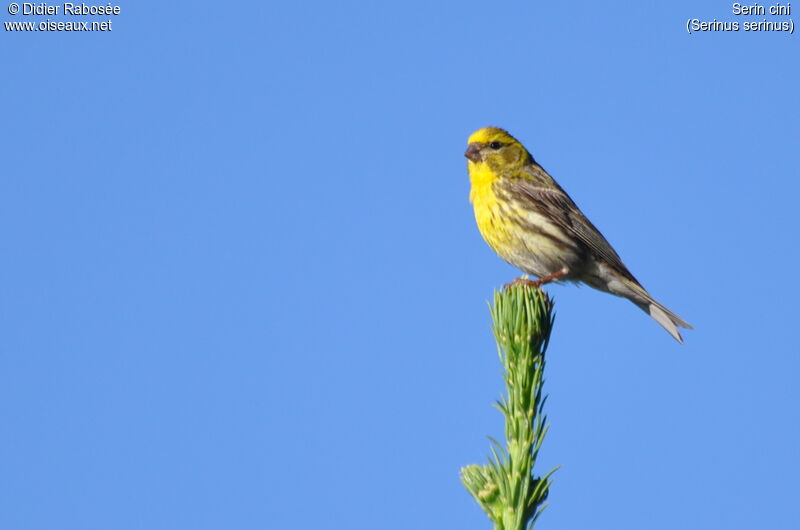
[473, 152]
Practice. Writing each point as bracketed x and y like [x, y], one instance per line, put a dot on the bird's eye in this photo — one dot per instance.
[495, 145]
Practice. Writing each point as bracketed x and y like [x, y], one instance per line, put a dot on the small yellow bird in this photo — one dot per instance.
[525, 216]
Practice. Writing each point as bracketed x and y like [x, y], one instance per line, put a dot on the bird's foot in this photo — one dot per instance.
[524, 280]
[536, 283]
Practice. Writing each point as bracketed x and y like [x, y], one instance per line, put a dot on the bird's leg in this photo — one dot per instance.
[549, 278]
[522, 279]
[537, 283]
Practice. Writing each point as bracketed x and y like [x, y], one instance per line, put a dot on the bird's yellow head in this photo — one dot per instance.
[493, 149]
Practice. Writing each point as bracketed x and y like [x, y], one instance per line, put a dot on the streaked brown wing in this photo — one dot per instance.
[543, 190]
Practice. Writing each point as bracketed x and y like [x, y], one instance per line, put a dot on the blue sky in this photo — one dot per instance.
[242, 286]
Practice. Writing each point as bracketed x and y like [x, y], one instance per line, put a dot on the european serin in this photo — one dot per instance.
[525, 216]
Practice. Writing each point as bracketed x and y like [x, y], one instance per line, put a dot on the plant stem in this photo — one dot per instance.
[506, 488]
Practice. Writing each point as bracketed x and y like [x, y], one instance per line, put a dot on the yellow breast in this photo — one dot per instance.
[488, 214]
[518, 233]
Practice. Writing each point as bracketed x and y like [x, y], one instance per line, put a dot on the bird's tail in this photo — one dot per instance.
[666, 318]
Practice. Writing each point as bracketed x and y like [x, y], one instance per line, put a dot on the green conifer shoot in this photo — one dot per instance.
[506, 488]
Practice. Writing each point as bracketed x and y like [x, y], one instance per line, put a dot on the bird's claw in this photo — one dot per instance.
[524, 280]
[535, 283]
